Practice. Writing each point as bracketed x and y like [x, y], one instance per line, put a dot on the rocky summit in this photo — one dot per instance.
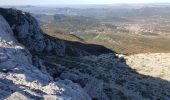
[35, 66]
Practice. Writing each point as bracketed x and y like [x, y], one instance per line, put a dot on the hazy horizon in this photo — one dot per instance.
[78, 2]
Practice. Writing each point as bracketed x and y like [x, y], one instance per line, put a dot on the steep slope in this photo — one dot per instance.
[19, 79]
[110, 77]
[102, 76]
[28, 32]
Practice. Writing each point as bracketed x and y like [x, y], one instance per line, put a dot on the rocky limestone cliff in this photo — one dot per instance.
[88, 75]
[20, 80]
[28, 32]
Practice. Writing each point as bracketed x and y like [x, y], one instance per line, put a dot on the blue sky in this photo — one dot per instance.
[74, 2]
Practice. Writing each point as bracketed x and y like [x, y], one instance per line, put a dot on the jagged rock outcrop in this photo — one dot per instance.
[19, 79]
[28, 32]
[102, 77]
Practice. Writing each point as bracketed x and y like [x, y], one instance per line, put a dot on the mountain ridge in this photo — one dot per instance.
[91, 74]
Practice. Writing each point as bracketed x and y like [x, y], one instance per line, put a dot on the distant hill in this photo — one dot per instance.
[68, 23]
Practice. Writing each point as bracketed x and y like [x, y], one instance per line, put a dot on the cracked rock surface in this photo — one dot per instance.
[19, 79]
[56, 76]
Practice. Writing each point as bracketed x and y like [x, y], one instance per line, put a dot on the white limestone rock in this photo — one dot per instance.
[19, 79]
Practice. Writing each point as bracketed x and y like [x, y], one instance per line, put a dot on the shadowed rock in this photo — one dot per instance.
[19, 79]
[28, 32]
[102, 76]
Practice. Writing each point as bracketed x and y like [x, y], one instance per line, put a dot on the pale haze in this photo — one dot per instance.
[75, 2]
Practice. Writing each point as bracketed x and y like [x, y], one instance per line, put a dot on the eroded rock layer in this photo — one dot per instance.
[20, 80]
[64, 70]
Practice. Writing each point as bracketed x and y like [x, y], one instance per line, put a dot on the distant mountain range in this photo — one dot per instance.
[121, 5]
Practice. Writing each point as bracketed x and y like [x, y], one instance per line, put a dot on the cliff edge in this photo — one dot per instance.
[19, 79]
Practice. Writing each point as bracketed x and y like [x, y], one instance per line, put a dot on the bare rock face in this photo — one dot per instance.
[28, 32]
[102, 77]
[19, 79]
